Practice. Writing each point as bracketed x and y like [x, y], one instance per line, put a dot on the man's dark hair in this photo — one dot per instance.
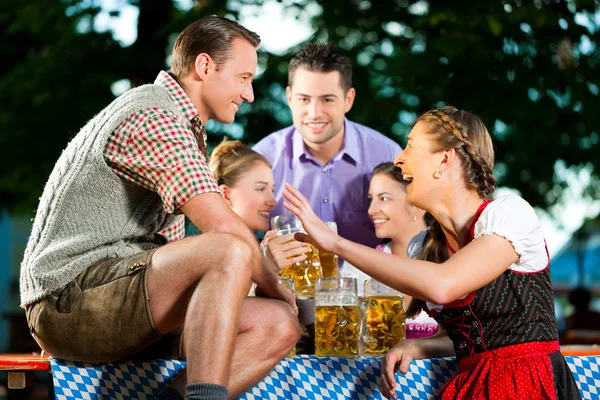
[212, 35]
[322, 57]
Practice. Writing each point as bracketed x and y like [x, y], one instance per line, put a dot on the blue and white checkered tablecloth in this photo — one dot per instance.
[125, 380]
[301, 377]
[310, 377]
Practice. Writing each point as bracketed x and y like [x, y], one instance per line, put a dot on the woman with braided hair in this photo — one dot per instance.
[483, 270]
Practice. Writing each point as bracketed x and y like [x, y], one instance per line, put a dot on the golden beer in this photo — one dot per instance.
[329, 264]
[329, 261]
[305, 273]
[385, 324]
[337, 330]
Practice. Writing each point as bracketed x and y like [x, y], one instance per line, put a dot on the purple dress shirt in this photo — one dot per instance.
[338, 190]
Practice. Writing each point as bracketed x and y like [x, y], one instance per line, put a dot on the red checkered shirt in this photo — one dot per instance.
[158, 151]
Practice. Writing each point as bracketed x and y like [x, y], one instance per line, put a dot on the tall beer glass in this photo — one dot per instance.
[304, 273]
[384, 317]
[329, 261]
[290, 284]
[337, 319]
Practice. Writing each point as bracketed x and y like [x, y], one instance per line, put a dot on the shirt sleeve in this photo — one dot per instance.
[156, 150]
[513, 219]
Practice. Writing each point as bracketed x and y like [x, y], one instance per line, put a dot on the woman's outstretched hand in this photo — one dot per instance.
[319, 235]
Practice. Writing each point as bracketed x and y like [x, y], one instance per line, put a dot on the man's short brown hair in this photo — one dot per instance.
[212, 35]
[322, 57]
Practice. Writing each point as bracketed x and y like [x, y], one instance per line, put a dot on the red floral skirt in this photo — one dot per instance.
[522, 371]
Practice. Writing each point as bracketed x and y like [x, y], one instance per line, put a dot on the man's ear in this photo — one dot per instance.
[288, 94]
[349, 100]
[226, 194]
[202, 65]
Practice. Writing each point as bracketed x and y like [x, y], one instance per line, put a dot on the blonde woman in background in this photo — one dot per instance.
[246, 182]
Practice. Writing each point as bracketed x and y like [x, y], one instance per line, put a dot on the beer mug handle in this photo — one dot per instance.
[362, 328]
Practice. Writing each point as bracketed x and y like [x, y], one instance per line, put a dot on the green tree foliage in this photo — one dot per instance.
[57, 73]
[52, 79]
[529, 69]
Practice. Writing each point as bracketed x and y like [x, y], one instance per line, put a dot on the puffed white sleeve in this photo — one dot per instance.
[512, 218]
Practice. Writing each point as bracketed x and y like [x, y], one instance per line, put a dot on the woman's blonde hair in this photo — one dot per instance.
[450, 128]
[230, 159]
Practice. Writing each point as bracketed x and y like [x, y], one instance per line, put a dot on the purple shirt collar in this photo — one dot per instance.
[349, 148]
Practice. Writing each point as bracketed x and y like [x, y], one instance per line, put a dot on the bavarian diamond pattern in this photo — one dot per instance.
[310, 377]
[300, 377]
[587, 375]
[125, 380]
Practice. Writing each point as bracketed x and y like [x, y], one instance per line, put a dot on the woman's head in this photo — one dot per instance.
[389, 210]
[447, 148]
[448, 144]
[246, 180]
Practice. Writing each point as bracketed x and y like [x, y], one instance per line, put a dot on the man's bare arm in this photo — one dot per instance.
[209, 213]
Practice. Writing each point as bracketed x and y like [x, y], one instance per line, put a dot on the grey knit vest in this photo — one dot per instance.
[87, 213]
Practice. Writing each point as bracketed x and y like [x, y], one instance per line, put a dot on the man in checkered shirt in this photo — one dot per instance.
[108, 274]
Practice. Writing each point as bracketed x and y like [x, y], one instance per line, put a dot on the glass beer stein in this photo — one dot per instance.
[337, 317]
[304, 273]
[384, 317]
[329, 261]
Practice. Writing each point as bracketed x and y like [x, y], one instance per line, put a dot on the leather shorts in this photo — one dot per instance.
[103, 315]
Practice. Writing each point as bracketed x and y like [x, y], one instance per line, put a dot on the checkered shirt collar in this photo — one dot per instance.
[179, 96]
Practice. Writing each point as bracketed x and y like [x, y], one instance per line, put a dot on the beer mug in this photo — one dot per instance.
[337, 317]
[304, 273]
[329, 261]
[289, 283]
[384, 317]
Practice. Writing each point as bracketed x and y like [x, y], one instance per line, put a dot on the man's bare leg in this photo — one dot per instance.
[200, 282]
[268, 331]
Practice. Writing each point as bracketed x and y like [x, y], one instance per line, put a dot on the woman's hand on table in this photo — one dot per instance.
[319, 235]
[284, 250]
[397, 359]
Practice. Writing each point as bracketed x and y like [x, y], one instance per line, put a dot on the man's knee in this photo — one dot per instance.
[284, 324]
[233, 254]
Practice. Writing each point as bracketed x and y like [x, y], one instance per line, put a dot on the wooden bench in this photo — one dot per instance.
[21, 368]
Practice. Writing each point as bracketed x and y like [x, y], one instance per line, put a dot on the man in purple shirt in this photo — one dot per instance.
[326, 156]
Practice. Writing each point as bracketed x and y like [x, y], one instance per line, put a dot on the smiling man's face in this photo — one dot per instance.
[319, 104]
[230, 84]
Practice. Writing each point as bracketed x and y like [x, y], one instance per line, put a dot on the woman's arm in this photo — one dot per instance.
[469, 269]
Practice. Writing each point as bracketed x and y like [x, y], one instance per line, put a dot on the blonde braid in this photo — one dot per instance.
[450, 125]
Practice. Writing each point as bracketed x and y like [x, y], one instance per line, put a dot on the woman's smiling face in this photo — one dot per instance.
[388, 210]
[419, 161]
[252, 196]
